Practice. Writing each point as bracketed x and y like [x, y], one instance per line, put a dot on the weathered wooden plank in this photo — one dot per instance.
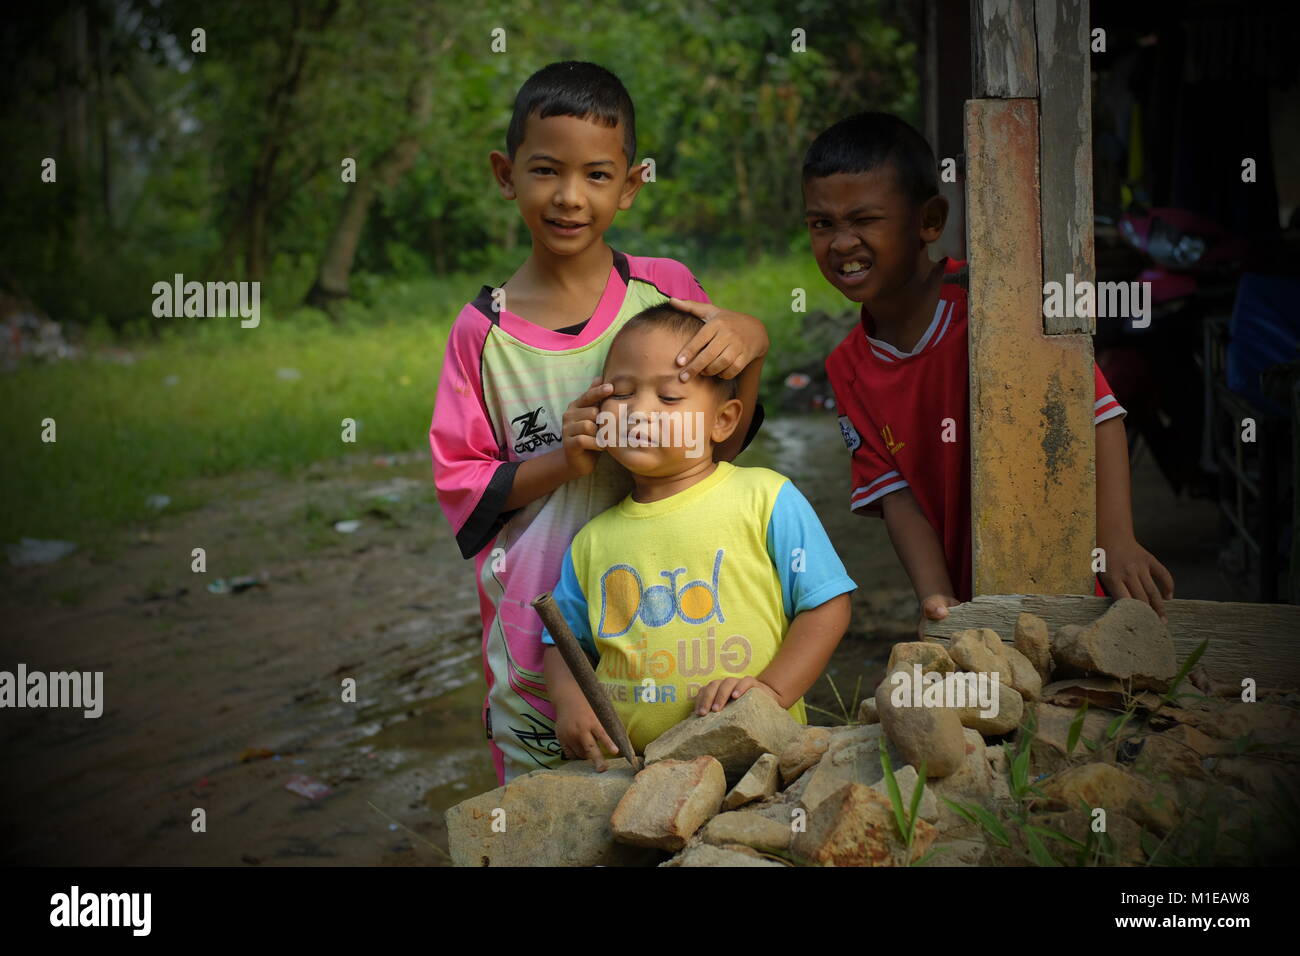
[1033, 487]
[1246, 640]
[1003, 49]
[1065, 134]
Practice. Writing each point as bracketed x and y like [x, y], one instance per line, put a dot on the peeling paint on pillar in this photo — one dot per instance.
[1033, 486]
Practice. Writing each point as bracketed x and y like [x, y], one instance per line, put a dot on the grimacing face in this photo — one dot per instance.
[680, 422]
[864, 231]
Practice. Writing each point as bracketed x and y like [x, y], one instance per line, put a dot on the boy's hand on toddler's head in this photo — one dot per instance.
[1132, 571]
[717, 694]
[728, 342]
[581, 736]
[579, 429]
[934, 608]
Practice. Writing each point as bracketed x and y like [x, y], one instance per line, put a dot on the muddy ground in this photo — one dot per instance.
[217, 700]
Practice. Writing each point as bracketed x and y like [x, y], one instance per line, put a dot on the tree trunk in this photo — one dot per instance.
[745, 202]
[72, 168]
[331, 283]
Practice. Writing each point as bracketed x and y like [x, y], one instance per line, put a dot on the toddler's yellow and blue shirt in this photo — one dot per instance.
[669, 595]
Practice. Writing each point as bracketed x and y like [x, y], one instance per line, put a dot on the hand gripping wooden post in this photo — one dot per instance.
[580, 667]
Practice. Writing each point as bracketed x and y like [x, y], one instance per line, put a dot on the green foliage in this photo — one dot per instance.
[905, 818]
[225, 164]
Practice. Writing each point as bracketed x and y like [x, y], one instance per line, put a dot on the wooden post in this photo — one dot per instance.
[1033, 485]
[1065, 140]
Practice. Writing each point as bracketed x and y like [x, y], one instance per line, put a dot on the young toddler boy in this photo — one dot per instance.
[516, 475]
[872, 207]
[708, 579]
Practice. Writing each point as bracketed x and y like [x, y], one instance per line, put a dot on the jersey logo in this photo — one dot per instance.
[851, 436]
[894, 447]
[532, 433]
[624, 597]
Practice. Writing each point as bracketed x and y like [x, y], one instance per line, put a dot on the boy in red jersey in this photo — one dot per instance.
[901, 378]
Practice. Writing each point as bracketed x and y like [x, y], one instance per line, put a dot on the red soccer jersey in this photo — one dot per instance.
[896, 409]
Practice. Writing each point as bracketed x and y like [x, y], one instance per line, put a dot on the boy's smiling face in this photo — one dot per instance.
[569, 177]
[692, 415]
[866, 232]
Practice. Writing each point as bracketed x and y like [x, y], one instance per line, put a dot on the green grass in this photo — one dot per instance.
[124, 434]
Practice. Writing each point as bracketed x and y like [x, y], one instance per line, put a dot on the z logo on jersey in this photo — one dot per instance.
[532, 434]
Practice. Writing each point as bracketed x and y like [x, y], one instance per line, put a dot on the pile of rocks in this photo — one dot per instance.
[749, 786]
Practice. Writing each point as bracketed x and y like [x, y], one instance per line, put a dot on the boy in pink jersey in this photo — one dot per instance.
[513, 436]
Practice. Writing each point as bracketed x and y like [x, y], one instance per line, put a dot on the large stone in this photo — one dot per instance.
[971, 784]
[760, 781]
[851, 734]
[781, 812]
[1128, 642]
[793, 794]
[932, 658]
[1179, 751]
[1093, 785]
[736, 736]
[803, 752]
[1021, 675]
[1010, 711]
[932, 735]
[1052, 733]
[1125, 837]
[978, 649]
[546, 818]
[1264, 779]
[852, 763]
[951, 852]
[907, 779]
[1032, 640]
[706, 855]
[856, 827]
[668, 801]
[748, 828]
[1096, 691]
[1270, 726]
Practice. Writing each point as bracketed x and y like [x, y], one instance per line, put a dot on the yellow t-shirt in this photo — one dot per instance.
[670, 595]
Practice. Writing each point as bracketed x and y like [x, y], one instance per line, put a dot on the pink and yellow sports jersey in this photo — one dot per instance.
[504, 388]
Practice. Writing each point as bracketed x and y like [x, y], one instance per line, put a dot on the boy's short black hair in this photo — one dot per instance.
[574, 88]
[682, 324]
[865, 141]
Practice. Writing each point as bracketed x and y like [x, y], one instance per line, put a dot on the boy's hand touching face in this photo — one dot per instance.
[579, 429]
[728, 342]
[1132, 571]
[717, 694]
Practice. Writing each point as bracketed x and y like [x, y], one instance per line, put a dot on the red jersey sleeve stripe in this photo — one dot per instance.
[1105, 408]
[882, 486]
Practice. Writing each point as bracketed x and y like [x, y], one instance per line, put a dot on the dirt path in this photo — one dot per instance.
[216, 701]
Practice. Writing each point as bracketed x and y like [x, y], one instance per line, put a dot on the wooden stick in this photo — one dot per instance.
[580, 667]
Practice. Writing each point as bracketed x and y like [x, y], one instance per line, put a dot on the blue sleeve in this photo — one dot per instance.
[573, 605]
[811, 572]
